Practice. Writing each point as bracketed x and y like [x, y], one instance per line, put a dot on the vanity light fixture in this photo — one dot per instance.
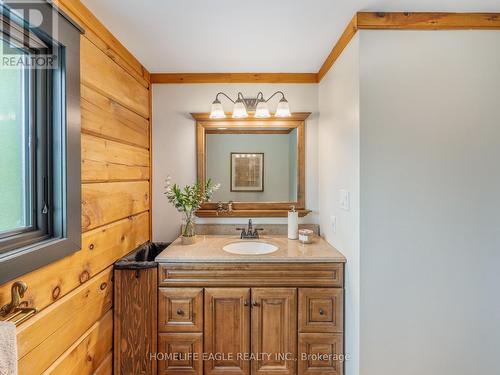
[244, 105]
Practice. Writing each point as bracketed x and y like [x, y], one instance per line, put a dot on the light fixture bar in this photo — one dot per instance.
[258, 105]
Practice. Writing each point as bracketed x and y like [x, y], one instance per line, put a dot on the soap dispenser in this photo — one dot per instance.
[293, 224]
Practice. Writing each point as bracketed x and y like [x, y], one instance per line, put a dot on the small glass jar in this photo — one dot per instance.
[305, 236]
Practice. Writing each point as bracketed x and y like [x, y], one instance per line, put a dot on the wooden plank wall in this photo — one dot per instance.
[72, 333]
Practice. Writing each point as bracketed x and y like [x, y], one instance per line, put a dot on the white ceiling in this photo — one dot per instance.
[245, 35]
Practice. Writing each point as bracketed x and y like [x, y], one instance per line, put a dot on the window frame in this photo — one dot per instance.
[56, 175]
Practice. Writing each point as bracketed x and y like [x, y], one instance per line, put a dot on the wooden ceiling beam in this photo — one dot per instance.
[234, 78]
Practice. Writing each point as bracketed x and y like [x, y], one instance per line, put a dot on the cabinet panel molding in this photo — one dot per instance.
[274, 330]
[227, 330]
[251, 274]
[180, 310]
[321, 310]
[319, 354]
[180, 354]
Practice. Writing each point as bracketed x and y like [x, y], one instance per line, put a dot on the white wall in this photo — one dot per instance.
[430, 202]
[174, 146]
[338, 134]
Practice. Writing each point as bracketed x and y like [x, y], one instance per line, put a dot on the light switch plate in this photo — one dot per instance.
[345, 200]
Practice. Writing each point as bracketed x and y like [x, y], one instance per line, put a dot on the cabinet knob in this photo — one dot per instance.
[255, 303]
[180, 312]
[321, 312]
[245, 302]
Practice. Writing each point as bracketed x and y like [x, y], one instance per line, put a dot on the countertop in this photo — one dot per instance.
[208, 248]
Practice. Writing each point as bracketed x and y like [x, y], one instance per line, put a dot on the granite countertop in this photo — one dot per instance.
[208, 248]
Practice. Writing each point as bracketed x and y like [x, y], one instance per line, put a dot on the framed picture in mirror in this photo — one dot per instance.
[247, 171]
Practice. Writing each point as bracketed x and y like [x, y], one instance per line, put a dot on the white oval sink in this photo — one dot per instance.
[250, 248]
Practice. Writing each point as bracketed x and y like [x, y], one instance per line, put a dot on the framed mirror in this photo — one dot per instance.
[259, 163]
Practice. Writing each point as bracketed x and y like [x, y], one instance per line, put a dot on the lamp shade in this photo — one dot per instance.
[261, 111]
[283, 109]
[217, 111]
[239, 109]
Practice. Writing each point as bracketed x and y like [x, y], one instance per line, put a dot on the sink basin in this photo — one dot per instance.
[250, 248]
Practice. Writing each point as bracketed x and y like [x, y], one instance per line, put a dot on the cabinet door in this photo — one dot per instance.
[227, 331]
[180, 354]
[274, 330]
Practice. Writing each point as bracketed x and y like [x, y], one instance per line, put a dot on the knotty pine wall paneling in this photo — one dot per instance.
[73, 331]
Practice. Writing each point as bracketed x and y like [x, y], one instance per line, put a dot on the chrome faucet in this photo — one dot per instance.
[250, 232]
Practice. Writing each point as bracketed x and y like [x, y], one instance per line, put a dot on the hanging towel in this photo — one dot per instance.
[8, 349]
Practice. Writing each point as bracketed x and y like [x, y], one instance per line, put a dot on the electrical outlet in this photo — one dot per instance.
[333, 223]
[345, 200]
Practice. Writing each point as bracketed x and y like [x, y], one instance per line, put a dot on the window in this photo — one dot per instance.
[39, 137]
[24, 153]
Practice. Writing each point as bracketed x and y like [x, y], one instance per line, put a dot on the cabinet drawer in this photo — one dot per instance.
[251, 274]
[320, 354]
[180, 309]
[180, 353]
[321, 310]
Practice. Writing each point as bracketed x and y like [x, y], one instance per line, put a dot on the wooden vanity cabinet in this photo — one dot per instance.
[260, 323]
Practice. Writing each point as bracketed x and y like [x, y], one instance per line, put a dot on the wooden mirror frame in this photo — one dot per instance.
[204, 124]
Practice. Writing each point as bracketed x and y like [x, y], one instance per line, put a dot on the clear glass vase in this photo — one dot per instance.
[188, 229]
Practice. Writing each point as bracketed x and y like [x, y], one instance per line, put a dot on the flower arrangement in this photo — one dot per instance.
[187, 200]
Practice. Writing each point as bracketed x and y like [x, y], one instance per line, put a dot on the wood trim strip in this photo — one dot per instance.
[150, 136]
[251, 213]
[247, 131]
[428, 21]
[343, 41]
[234, 78]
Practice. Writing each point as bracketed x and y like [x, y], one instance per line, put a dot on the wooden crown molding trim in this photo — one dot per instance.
[408, 21]
[427, 21]
[234, 78]
[343, 41]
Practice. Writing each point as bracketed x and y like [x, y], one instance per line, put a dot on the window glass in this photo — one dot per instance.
[15, 186]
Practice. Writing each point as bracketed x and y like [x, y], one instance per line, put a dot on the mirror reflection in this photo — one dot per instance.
[253, 165]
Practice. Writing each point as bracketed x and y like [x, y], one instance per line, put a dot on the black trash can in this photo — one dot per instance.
[135, 310]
